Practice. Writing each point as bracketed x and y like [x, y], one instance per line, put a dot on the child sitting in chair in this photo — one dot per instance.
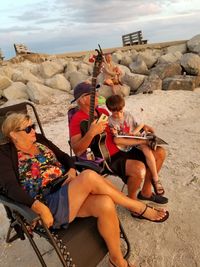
[123, 123]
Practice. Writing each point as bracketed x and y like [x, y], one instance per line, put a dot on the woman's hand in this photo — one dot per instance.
[44, 212]
[71, 176]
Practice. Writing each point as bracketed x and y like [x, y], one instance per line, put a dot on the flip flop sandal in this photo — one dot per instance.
[153, 198]
[140, 216]
[112, 264]
[158, 188]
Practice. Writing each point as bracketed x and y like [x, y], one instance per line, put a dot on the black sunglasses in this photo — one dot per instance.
[28, 128]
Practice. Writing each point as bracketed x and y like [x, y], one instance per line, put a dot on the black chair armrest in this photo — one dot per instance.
[29, 215]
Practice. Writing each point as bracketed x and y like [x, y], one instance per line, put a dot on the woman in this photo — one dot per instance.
[112, 73]
[30, 163]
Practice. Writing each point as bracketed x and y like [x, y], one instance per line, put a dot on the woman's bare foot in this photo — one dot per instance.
[151, 214]
[123, 264]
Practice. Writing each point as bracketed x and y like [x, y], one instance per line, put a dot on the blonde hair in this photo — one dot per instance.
[13, 123]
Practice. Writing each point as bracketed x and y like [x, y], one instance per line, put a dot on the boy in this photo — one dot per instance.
[123, 123]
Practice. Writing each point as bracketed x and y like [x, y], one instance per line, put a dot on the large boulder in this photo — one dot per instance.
[126, 60]
[150, 84]
[40, 94]
[179, 82]
[70, 67]
[25, 76]
[139, 66]
[170, 57]
[76, 77]
[182, 48]
[166, 70]
[117, 56]
[191, 63]
[133, 81]
[4, 82]
[194, 44]
[7, 71]
[17, 90]
[84, 68]
[58, 82]
[106, 90]
[49, 69]
[149, 56]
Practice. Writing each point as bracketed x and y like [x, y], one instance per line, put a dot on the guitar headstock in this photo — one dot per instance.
[98, 62]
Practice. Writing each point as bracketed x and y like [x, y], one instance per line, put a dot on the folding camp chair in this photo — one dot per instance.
[78, 245]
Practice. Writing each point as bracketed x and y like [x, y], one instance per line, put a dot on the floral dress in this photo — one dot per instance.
[36, 171]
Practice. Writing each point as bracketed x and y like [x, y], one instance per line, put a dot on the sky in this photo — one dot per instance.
[58, 26]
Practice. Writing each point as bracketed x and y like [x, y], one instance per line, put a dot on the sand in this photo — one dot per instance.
[175, 243]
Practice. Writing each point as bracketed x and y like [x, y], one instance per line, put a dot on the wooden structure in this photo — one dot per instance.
[21, 49]
[134, 38]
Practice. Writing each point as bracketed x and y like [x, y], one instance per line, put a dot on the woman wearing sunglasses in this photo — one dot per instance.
[30, 164]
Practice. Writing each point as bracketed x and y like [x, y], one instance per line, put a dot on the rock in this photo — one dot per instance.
[194, 44]
[179, 82]
[7, 71]
[84, 68]
[126, 59]
[182, 48]
[106, 91]
[39, 94]
[76, 77]
[191, 63]
[150, 57]
[124, 69]
[139, 67]
[70, 67]
[151, 83]
[17, 90]
[59, 82]
[117, 56]
[133, 81]
[170, 58]
[25, 76]
[166, 70]
[49, 69]
[4, 82]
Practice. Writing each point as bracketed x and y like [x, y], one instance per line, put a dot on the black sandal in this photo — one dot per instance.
[140, 216]
[158, 188]
[128, 264]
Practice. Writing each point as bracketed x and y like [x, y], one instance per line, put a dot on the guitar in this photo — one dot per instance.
[98, 144]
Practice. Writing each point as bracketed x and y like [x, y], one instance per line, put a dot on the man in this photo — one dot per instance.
[130, 167]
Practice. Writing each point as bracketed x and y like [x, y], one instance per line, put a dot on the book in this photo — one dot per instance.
[145, 137]
[133, 136]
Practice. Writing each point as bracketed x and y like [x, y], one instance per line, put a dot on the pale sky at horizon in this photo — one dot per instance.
[58, 26]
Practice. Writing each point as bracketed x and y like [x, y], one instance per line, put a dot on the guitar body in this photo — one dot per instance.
[98, 144]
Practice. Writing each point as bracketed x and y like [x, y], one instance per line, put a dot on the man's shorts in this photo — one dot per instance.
[118, 161]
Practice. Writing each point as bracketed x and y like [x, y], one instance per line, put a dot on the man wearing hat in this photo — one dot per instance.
[131, 169]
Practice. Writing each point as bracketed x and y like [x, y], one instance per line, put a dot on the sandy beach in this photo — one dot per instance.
[174, 243]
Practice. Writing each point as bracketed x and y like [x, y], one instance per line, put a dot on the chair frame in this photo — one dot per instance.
[22, 217]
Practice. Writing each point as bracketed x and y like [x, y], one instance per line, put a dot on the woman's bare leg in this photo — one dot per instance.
[103, 208]
[89, 182]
